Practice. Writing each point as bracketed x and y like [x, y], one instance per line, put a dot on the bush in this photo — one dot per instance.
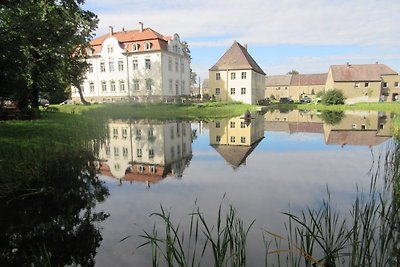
[333, 97]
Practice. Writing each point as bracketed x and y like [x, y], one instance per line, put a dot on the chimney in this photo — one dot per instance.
[348, 64]
[376, 62]
[141, 26]
[111, 30]
[123, 29]
[245, 46]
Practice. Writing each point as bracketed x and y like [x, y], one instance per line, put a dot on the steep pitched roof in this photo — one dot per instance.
[278, 80]
[237, 58]
[128, 38]
[236, 155]
[309, 79]
[360, 72]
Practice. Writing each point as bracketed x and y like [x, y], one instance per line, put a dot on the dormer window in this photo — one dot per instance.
[147, 45]
[110, 49]
[135, 47]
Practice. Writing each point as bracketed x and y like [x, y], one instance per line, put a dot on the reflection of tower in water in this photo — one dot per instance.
[146, 150]
[236, 138]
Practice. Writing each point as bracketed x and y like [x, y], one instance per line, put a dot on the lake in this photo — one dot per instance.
[263, 164]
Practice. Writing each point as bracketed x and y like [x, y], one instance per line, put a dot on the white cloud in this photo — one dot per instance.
[260, 22]
[266, 23]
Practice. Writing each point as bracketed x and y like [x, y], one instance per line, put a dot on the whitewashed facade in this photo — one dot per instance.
[137, 65]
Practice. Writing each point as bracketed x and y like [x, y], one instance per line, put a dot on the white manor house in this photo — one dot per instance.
[136, 65]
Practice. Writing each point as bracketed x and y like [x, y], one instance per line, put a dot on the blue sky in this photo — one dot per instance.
[281, 35]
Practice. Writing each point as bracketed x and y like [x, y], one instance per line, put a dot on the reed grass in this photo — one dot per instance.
[368, 235]
[224, 241]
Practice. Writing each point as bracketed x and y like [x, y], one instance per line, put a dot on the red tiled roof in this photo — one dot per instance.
[306, 127]
[355, 138]
[308, 79]
[128, 38]
[237, 58]
[278, 80]
[360, 72]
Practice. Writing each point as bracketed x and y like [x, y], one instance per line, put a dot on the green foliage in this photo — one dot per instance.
[295, 72]
[43, 44]
[48, 189]
[332, 117]
[333, 97]
[320, 94]
[226, 241]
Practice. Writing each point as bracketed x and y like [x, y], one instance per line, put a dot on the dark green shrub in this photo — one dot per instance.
[332, 117]
[333, 97]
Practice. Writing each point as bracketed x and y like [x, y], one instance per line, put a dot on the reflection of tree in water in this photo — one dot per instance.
[47, 196]
[332, 117]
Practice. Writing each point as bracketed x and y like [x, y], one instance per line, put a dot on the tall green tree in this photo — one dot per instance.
[44, 43]
[294, 72]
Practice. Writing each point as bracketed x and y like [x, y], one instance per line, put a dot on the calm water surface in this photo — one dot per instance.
[270, 163]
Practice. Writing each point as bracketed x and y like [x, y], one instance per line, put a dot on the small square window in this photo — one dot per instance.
[233, 139]
[232, 91]
[384, 84]
[217, 138]
[366, 84]
[232, 124]
[396, 84]
[217, 124]
[217, 91]
[218, 76]
[357, 85]
[243, 75]
[233, 76]
[243, 139]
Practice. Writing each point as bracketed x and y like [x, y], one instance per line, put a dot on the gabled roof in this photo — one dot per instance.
[236, 155]
[127, 39]
[360, 72]
[309, 79]
[355, 138]
[278, 80]
[237, 58]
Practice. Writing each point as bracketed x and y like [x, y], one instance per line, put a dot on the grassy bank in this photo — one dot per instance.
[197, 111]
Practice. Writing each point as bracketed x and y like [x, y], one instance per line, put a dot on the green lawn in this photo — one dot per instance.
[197, 111]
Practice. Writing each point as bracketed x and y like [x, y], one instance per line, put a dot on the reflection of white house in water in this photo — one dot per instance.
[146, 151]
[235, 138]
[356, 128]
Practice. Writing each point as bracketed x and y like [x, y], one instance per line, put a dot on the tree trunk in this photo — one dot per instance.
[83, 100]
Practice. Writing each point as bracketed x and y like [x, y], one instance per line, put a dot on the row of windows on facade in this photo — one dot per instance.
[135, 65]
[150, 132]
[136, 85]
[140, 168]
[233, 75]
[139, 151]
[232, 124]
[384, 85]
[147, 46]
[232, 91]
[232, 139]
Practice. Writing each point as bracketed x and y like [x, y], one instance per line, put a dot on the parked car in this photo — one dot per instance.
[264, 101]
[305, 99]
[285, 100]
[43, 102]
[67, 102]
